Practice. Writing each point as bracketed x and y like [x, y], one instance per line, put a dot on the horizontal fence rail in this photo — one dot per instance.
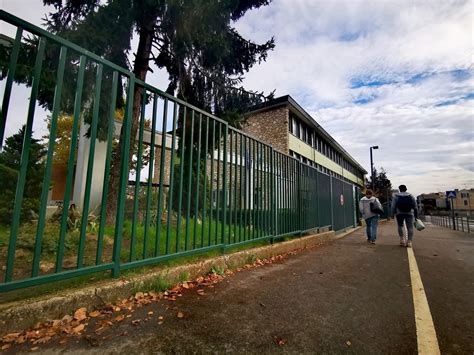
[460, 223]
[187, 182]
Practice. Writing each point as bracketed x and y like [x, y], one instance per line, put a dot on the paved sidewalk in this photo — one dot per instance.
[346, 296]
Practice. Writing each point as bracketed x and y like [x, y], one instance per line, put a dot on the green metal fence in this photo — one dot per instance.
[188, 182]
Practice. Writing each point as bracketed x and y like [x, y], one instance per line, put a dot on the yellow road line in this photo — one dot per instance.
[425, 330]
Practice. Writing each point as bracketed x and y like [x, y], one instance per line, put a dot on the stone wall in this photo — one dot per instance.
[271, 127]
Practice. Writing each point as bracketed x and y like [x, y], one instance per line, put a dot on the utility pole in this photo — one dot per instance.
[372, 166]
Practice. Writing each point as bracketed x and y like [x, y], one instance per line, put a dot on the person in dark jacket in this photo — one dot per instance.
[371, 218]
[405, 211]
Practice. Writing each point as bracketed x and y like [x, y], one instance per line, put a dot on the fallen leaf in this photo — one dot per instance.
[117, 309]
[67, 318]
[280, 341]
[180, 315]
[34, 349]
[94, 314]
[119, 318]
[10, 337]
[63, 341]
[160, 317]
[136, 322]
[80, 314]
[79, 328]
[160, 322]
[348, 343]
[6, 346]
[150, 313]
[139, 295]
[42, 340]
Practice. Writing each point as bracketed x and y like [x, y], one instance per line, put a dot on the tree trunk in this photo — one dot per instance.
[140, 70]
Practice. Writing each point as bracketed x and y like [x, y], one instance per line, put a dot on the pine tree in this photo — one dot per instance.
[192, 39]
[10, 158]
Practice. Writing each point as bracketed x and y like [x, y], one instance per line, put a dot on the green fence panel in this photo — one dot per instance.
[188, 182]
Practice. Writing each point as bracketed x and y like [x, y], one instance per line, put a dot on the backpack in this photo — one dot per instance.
[375, 209]
[404, 203]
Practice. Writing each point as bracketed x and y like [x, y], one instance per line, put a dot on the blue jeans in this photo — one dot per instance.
[408, 219]
[371, 230]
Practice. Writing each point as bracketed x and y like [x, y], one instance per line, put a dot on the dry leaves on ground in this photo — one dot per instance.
[76, 324]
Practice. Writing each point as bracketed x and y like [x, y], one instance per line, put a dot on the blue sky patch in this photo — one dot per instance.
[366, 82]
[460, 74]
[364, 100]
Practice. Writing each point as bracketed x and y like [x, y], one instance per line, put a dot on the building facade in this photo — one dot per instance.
[285, 125]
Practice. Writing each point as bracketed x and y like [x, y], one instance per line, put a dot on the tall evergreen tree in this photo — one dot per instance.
[10, 158]
[192, 39]
[382, 186]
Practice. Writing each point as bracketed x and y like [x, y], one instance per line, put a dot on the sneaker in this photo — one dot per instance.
[402, 242]
[409, 244]
[372, 241]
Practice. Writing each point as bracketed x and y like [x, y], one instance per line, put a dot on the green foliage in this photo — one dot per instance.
[382, 186]
[202, 200]
[158, 284]
[219, 270]
[10, 158]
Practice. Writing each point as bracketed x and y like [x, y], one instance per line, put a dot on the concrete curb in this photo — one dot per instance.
[16, 316]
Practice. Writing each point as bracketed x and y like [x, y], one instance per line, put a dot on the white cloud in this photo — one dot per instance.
[323, 46]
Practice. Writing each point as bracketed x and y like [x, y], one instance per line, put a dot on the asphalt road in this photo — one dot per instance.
[344, 297]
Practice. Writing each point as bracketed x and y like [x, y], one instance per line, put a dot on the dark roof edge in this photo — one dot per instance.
[287, 99]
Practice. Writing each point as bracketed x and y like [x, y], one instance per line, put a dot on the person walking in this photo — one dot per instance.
[368, 207]
[405, 211]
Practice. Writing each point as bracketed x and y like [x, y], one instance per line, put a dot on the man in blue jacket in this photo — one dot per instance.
[405, 211]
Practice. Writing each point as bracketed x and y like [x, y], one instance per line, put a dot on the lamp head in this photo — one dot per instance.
[375, 147]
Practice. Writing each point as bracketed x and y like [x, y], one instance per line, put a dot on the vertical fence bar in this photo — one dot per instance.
[198, 174]
[90, 166]
[25, 153]
[273, 219]
[150, 177]
[230, 187]
[204, 193]
[9, 83]
[224, 185]
[218, 223]
[170, 191]
[241, 186]
[49, 162]
[162, 175]
[108, 159]
[211, 188]
[70, 163]
[190, 178]
[124, 171]
[332, 202]
[138, 169]
[246, 170]
[236, 194]
[182, 144]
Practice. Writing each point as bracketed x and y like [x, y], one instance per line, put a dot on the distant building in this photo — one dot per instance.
[432, 202]
[464, 200]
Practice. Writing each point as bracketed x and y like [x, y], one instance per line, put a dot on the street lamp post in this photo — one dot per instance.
[372, 166]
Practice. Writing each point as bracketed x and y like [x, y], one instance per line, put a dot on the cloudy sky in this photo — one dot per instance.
[397, 74]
